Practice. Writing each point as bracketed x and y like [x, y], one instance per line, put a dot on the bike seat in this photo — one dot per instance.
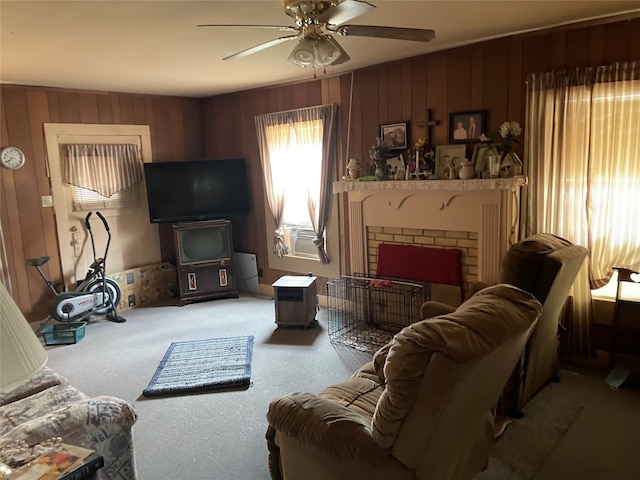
[36, 262]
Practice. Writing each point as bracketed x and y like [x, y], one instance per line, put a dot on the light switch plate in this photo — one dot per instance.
[47, 201]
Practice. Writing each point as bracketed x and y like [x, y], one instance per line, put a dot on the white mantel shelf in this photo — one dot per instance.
[510, 183]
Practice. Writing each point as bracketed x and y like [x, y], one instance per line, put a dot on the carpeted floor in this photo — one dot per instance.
[220, 435]
[527, 443]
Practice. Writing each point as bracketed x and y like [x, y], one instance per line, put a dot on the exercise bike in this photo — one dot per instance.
[95, 295]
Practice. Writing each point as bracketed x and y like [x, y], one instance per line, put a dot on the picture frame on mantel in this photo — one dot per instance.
[395, 135]
[448, 156]
[465, 127]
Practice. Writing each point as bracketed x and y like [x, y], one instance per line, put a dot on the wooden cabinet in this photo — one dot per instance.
[296, 300]
[204, 260]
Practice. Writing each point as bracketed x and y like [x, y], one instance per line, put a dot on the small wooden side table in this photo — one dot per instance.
[296, 300]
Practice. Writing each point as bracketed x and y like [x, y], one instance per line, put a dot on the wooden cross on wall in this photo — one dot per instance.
[428, 125]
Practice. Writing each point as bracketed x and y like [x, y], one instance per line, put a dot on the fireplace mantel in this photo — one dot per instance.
[510, 183]
[489, 208]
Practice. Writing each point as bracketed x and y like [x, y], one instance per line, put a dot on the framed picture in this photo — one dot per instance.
[448, 156]
[393, 164]
[467, 126]
[478, 159]
[395, 135]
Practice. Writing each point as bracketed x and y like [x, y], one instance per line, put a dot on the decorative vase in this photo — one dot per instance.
[511, 165]
[466, 171]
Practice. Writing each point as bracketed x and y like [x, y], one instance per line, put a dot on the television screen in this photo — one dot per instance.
[196, 190]
[207, 244]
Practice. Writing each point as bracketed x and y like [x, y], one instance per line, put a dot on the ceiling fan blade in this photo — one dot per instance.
[282, 28]
[397, 33]
[262, 46]
[345, 11]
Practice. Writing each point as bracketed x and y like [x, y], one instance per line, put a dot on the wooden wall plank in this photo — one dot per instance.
[88, 105]
[69, 107]
[437, 79]
[24, 233]
[577, 48]
[383, 91]
[115, 109]
[477, 62]
[126, 109]
[38, 107]
[418, 99]
[176, 129]
[105, 109]
[617, 41]
[596, 45]
[634, 39]
[394, 94]
[558, 50]
[406, 112]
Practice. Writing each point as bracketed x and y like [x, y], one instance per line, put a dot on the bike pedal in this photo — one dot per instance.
[116, 318]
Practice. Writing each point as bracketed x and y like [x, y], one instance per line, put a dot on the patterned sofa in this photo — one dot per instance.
[46, 407]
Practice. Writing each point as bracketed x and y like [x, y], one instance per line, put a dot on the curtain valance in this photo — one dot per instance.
[105, 169]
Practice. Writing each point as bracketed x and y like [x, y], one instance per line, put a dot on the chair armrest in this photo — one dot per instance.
[326, 425]
[434, 309]
[104, 414]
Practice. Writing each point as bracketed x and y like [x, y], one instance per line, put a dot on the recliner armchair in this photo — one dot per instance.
[546, 266]
[421, 409]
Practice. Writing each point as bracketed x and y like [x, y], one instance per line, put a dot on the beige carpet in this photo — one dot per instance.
[528, 442]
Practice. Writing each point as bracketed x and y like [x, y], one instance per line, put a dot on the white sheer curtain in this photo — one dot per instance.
[582, 146]
[297, 151]
[105, 169]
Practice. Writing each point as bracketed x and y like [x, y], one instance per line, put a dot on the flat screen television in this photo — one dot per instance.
[196, 190]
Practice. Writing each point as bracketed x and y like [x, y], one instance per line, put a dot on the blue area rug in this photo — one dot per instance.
[203, 365]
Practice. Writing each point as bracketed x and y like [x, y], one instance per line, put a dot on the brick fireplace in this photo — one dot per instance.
[479, 217]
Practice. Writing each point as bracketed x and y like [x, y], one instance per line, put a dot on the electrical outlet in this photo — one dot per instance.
[260, 273]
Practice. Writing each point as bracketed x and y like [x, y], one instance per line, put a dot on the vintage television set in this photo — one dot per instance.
[204, 256]
[198, 198]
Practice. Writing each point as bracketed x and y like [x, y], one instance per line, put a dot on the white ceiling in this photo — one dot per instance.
[154, 47]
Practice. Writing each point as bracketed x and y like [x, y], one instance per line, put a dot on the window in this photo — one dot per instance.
[297, 151]
[582, 149]
[85, 200]
[296, 165]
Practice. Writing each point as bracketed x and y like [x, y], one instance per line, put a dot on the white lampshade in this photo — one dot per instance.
[21, 353]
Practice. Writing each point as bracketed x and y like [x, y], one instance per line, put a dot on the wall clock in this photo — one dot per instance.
[12, 157]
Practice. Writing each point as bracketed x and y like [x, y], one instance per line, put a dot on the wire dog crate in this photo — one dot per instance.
[366, 311]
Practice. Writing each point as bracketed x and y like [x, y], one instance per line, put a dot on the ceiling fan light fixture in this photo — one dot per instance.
[304, 53]
[328, 50]
[318, 52]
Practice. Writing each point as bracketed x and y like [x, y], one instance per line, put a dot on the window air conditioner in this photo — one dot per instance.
[301, 241]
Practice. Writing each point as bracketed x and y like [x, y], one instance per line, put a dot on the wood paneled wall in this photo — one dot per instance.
[489, 76]
[485, 76]
[176, 126]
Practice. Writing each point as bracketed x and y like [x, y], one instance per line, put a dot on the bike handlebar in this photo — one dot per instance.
[104, 221]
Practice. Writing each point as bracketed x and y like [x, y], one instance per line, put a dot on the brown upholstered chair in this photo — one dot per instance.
[421, 409]
[546, 266]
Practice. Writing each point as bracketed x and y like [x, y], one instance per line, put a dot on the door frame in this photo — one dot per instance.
[57, 134]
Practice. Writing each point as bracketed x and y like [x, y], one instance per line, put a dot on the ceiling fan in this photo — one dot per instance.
[316, 20]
